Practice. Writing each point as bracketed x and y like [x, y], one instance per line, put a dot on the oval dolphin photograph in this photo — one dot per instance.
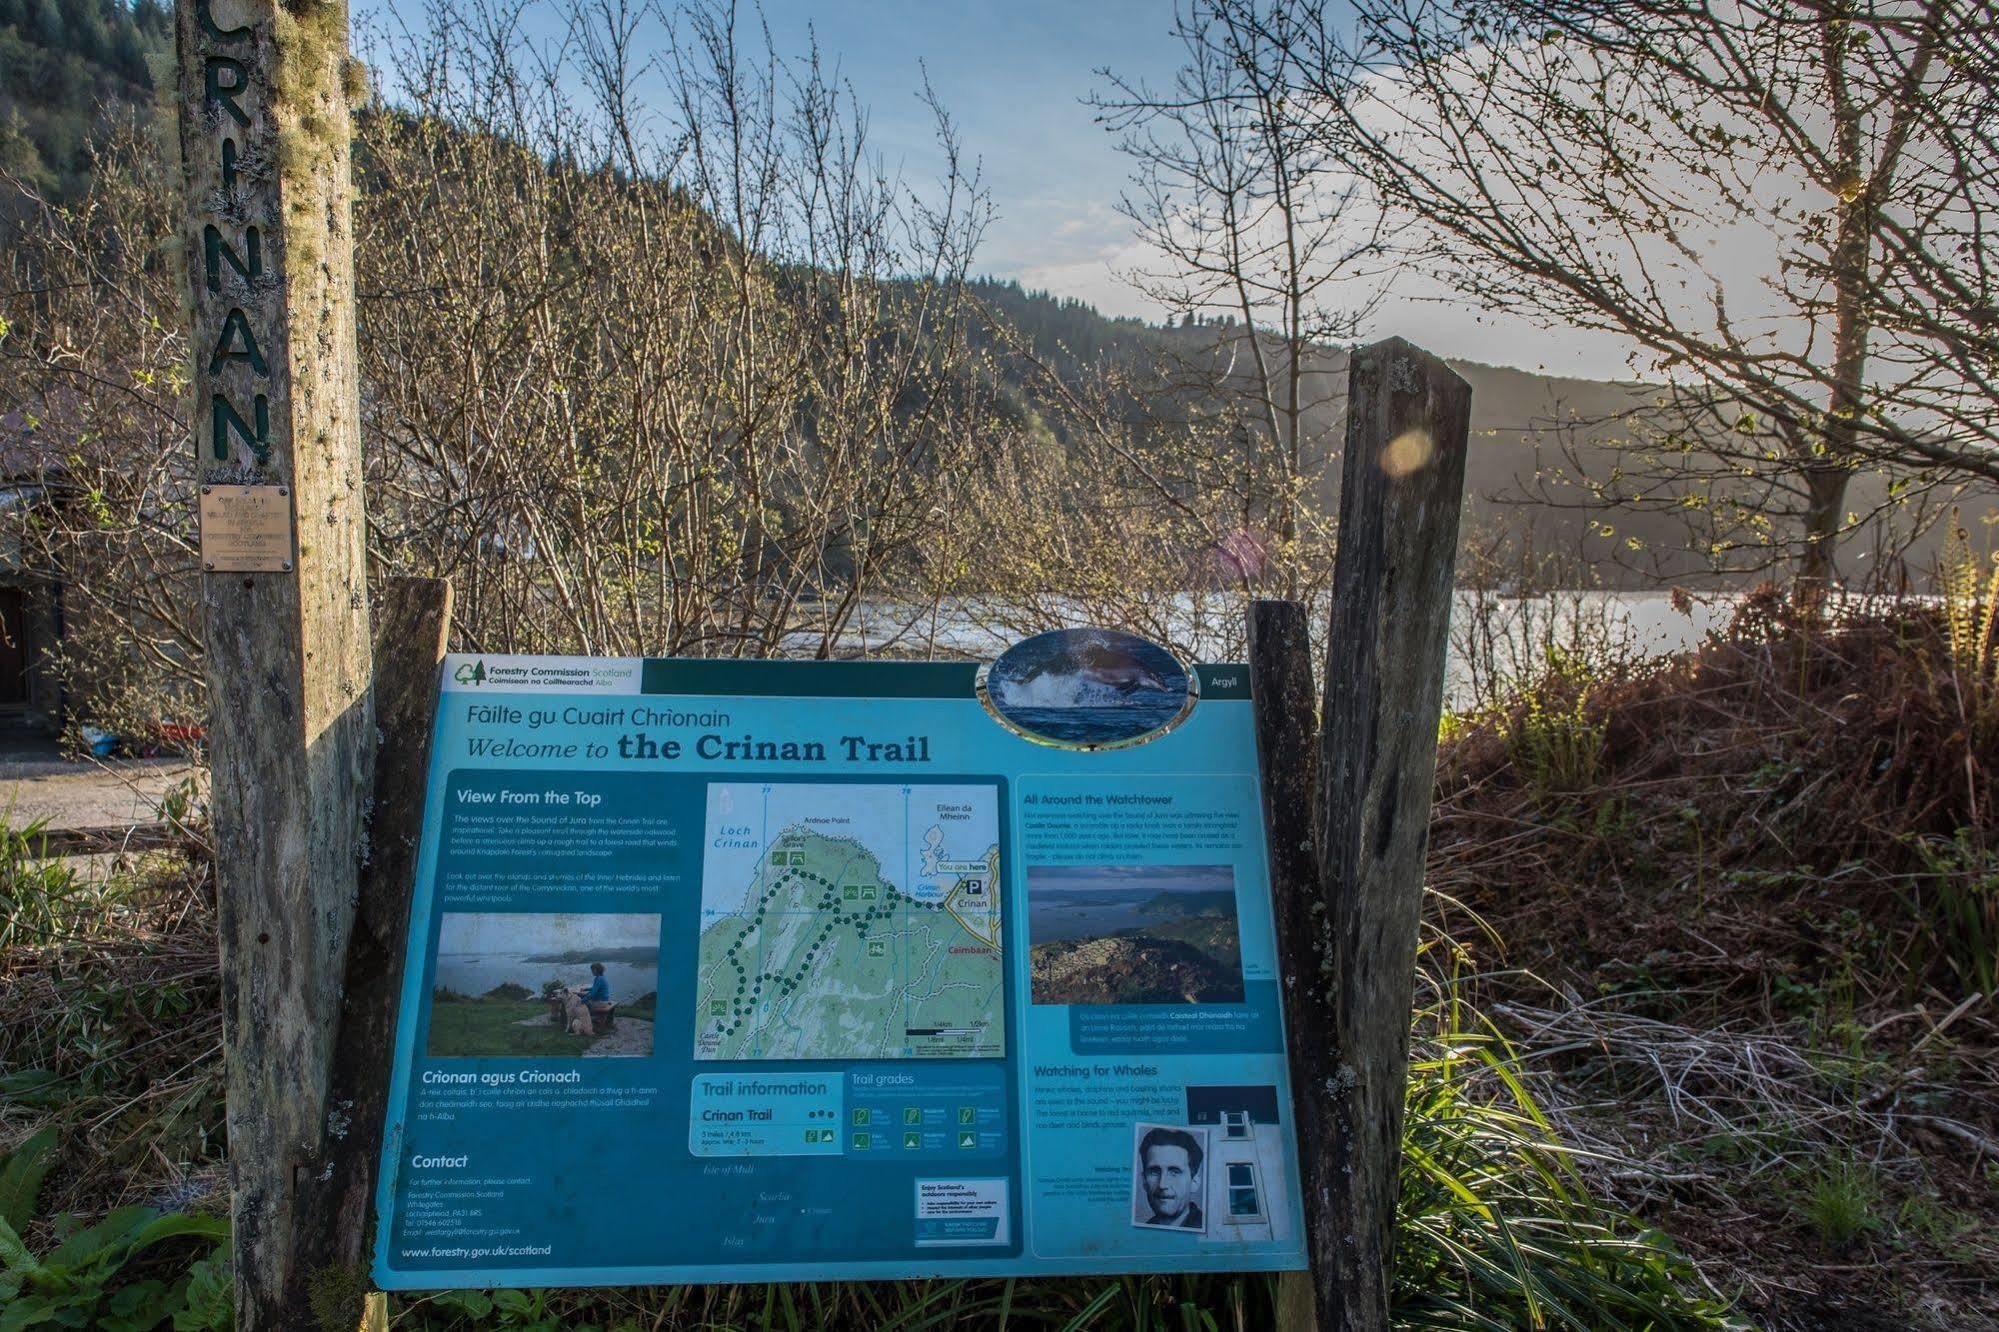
[1088, 689]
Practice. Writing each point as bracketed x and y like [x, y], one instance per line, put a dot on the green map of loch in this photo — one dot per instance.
[850, 921]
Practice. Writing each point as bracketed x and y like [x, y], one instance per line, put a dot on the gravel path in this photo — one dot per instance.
[85, 795]
[632, 1036]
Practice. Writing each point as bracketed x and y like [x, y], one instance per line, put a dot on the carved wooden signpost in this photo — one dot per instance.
[265, 143]
[310, 988]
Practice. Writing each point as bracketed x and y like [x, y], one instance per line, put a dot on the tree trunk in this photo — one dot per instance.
[1825, 507]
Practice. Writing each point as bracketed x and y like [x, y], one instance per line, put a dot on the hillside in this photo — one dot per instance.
[1131, 969]
[71, 65]
[1534, 438]
[66, 66]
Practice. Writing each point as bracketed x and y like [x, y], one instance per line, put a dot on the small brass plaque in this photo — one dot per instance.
[246, 529]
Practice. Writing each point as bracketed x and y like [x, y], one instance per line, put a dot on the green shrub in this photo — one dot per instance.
[1551, 734]
[1495, 1226]
[43, 902]
[83, 1281]
[1840, 1202]
[1957, 899]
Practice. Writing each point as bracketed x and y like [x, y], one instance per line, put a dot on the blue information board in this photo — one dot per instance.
[749, 971]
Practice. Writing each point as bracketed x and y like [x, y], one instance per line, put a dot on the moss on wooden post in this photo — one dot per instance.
[264, 132]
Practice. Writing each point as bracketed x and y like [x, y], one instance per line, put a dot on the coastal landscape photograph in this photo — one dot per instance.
[511, 983]
[1133, 934]
[1087, 688]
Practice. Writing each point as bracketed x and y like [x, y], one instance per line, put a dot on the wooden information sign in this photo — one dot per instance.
[246, 529]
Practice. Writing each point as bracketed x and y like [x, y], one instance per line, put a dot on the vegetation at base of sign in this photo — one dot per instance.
[135, 1268]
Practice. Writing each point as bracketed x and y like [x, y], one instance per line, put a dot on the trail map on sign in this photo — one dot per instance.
[850, 921]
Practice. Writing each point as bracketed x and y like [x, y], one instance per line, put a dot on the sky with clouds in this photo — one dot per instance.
[508, 933]
[1016, 75]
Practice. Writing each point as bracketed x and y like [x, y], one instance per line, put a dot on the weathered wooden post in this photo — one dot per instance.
[334, 1217]
[1348, 927]
[264, 128]
[1287, 761]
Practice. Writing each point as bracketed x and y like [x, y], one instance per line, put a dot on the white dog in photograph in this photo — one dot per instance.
[575, 1016]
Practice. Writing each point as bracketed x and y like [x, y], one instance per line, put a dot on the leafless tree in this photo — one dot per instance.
[1786, 205]
[670, 381]
[657, 356]
[93, 372]
[1255, 242]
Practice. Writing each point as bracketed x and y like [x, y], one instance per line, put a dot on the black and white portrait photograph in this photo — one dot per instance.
[1168, 1177]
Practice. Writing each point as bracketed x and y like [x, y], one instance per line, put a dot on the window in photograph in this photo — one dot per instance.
[1235, 1124]
[1243, 1201]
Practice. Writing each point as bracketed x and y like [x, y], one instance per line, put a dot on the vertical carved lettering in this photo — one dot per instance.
[225, 95]
[204, 14]
[226, 350]
[225, 420]
[249, 265]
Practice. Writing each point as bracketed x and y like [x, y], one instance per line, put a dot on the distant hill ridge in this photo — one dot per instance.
[66, 66]
[1529, 433]
[71, 65]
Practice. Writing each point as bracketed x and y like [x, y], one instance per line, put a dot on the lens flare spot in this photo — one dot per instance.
[1407, 453]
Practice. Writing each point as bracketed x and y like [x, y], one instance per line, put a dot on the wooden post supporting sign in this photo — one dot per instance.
[1348, 833]
[333, 1222]
[264, 127]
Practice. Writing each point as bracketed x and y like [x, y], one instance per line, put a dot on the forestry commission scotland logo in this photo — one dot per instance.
[545, 675]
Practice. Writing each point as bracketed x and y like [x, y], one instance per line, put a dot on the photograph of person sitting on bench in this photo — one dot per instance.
[598, 996]
[544, 984]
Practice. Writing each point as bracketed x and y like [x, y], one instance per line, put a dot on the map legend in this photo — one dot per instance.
[944, 1110]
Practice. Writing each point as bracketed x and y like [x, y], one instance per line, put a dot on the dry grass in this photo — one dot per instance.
[110, 1027]
[1749, 958]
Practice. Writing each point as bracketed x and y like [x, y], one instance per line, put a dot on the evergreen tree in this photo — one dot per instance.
[42, 24]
